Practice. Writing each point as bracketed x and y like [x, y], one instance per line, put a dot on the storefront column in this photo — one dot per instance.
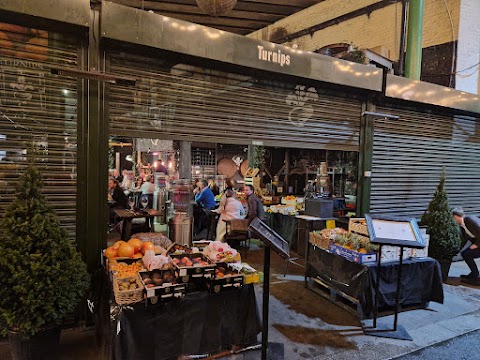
[96, 152]
[185, 164]
[365, 162]
[413, 61]
[468, 47]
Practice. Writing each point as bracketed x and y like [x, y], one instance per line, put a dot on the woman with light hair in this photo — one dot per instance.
[230, 209]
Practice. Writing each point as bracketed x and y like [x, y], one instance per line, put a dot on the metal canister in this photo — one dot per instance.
[180, 229]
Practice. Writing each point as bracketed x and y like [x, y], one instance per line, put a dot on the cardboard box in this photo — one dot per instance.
[185, 273]
[421, 253]
[352, 255]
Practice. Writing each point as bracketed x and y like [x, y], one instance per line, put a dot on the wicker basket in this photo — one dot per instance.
[126, 297]
[318, 240]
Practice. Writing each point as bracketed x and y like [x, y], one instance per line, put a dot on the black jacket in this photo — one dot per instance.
[119, 198]
[472, 223]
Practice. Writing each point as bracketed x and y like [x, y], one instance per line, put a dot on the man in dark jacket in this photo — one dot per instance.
[255, 206]
[470, 228]
[116, 198]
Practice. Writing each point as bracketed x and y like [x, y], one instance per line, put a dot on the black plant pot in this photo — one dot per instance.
[445, 268]
[43, 345]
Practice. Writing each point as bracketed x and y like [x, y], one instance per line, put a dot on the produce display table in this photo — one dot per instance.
[198, 324]
[352, 285]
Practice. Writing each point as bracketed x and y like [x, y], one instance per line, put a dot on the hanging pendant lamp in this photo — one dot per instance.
[216, 7]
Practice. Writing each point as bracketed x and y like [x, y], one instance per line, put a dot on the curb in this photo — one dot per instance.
[440, 343]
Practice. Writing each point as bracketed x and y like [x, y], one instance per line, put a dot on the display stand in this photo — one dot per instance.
[395, 231]
[273, 241]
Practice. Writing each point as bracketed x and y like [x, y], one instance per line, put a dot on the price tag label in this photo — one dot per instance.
[331, 224]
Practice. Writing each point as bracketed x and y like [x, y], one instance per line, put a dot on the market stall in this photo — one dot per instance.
[352, 285]
[341, 266]
[157, 299]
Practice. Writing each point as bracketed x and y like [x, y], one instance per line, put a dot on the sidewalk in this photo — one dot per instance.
[334, 334]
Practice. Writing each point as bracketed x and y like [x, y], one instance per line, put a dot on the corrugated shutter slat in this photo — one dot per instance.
[409, 154]
[191, 103]
[40, 107]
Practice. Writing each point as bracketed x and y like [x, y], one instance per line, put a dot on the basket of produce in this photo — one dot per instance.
[162, 284]
[317, 238]
[128, 290]
[218, 251]
[324, 237]
[358, 226]
[192, 266]
[225, 279]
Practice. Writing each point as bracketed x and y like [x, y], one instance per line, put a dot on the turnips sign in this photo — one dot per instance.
[273, 56]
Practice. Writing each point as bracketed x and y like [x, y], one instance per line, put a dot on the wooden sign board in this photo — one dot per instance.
[393, 230]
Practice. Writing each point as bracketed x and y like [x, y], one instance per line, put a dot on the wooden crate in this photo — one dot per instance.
[356, 225]
[318, 240]
[339, 298]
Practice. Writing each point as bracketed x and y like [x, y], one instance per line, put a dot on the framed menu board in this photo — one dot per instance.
[394, 230]
[270, 237]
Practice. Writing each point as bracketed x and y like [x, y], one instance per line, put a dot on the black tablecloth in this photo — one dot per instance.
[421, 279]
[201, 323]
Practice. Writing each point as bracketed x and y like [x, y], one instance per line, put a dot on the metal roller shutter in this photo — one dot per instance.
[409, 154]
[41, 108]
[184, 102]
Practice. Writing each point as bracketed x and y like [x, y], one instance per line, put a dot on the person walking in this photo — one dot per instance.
[470, 229]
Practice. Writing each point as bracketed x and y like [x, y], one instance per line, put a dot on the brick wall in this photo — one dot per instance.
[380, 29]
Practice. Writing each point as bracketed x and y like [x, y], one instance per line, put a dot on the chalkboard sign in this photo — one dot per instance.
[270, 237]
[394, 230]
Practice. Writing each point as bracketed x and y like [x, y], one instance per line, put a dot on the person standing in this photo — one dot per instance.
[470, 229]
[231, 209]
[255, 206]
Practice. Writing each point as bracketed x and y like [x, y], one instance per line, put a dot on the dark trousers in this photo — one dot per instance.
[469, 256]
[199, 218]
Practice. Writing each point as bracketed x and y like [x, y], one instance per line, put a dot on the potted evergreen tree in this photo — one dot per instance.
[43, 277]
[444, 232]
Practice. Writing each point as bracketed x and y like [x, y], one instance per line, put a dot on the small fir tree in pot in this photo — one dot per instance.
[444, 232]
[43, 276]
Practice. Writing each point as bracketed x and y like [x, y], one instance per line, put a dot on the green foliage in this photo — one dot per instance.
[43, 276]
[444, 232]
[258, 156]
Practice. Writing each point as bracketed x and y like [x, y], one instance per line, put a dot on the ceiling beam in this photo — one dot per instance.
[217, 21]
[165, 7]
[301, 4]
[255, 7]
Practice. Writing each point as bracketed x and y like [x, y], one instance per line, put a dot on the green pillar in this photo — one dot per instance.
[413, 61]
[94, 199]
[365, 161]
